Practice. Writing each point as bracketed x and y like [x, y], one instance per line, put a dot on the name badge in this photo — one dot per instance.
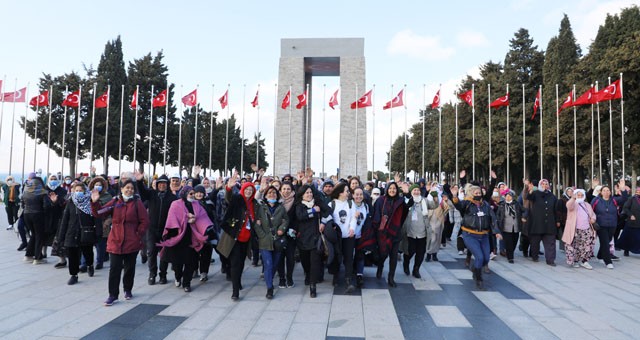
[480, 213]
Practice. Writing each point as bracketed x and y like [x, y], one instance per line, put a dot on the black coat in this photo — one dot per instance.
[543, 213]
[72, 219]
[158, 206]
[308, 224]
[501, 213]
[234, 217]
[632, 208]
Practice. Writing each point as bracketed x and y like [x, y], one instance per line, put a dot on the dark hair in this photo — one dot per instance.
[337, 190]
[397, 189]
[301, 192]
[271, 187]
[287, 184]
[127, 182]
[354, 178]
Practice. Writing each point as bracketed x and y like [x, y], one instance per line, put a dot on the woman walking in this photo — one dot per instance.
[36, 202]
[271, 227]
[417, 230]
[510, 216]
[630, 238]
[579, 236]
[11, 200]
[606, 207]
[287, 258]
[344, 216]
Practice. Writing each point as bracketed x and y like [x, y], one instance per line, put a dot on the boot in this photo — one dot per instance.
[478, 278]
[434, 257]
[359, 281]
[91, 271]
[350, 287]
[312, 291]
[416, 272]
[270, 293]
[405, 264]
[379, 271]
[391, 281]
[428, 257]
[467, 261]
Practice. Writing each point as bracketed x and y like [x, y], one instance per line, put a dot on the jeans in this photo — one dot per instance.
[152, 258]
[358, 263]
[478, 245]
[348, 246]
[204, 257]
[269, 258]
[22, 230]
[12, 212]
[118, 263]
[101, 250]
[605, 234]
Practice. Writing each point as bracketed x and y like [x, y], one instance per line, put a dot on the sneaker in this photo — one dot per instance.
[41, 261]
[60, 265]
[28, 259]
[22, 247]
[110, 301]
[460, 252]
[614, 258]
[576, 265]
[492, 256]
[128, 295]
[83, 269]
[290, 283]
[99, 266]
[90, 271]
[610, 266]
[177, 283]
[72, 280]
[282, 283]
[586, 265]
[204, 277]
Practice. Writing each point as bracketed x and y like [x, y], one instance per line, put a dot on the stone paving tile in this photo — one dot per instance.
[346, 317]
[380, 321]
[447, 316]
[307, 331]
[313, 313]
[273, 324]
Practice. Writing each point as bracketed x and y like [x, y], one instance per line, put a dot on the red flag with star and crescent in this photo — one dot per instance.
[333, 101]
[286, 101]
[255, 103]
[586, 98]
[302, 100]
[72, 100]
[40, 100]
[15, 97]
[396, 101]
[191, 99]
[610, 92]
[224, 100]
[436, 101]
[568, 102]
[536, 105]
[160, 100]
[502, 101]
[363, 102]
[102, 101]
[467, 97]
[134, 99]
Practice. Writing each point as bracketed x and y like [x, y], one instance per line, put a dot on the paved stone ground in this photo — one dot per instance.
[523, 300]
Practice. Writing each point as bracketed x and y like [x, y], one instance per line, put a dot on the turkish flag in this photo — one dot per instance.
[568, 102]
[536, 104]
[72, 100]
[467, 97]
[502, 101]
[302, 100]
[610, 92]
[15, 97]
[254, 103]
[287, 100]
[395, 102]
[134, 99]
[40, 100]
[102, 101]
[191, 99]
[586, 98]
[333, 101]
[365, 101]
[224, 100]
[436, 101]
[160, 100]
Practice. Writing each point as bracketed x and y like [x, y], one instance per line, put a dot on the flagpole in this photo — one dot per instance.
[592, 174]
[35, 134]
[290, 128]
[4, 81]
[93, 115]
[150, 133]
[599, 139]
[307, 138]
[473, 118]
[213, 100]
[524, 136]
[226, 138]
[24, 138]
[324, 116]
[373, 128]
[390, 133]
[180, 135]
[575, 140]
[541, 153]
[424, 105]
[356, 146]
[622, 123]
[49, 129]
[508, 160]
[439, 137]
[611, 138]
[275, 113]
[64, 129]
[166, 124]
[195, 129]
[106, 129]
[405, 135]
[244, 97]
[75, 164]
[258, 132]
[120, 138]
[13, 119]
[456, 139]
[135, 129]
[557, 141]
[489, 107]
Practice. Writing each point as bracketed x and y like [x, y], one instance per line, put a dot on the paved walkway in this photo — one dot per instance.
[523, 300]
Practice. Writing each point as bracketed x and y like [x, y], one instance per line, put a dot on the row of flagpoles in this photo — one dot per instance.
[73, 100]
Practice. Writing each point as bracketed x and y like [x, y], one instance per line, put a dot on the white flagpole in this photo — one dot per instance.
[524, 136]
[439, 137]
[356, 146]
[290, 104]
[275, 114]
[13, 119]
[599, 139]
[166, 124]
[405, 136]
[35, 133]
[508, 159]
[611, 139]
[120, 138]
[106, 130]
[622, 124]
[213, 101]
[557, 141]
[541, 153]
[180, 135]
[64, 127]
[593, 135]
[324, 115]
[4, 82]
[244, 104]
[424, 113]
[373, 128]
[93, 115]
[135, 128]
[456, 103]
[390, 134]
[226, 138]
[258, 132]
[307, 133]
[473, 119]
[24, 138]
[489, 107]
[150, 140]
[195, 129]
[575, 140]
[75, 164]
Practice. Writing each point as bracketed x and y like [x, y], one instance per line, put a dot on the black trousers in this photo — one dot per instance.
[460, 242]
[118, 262]
[35, 226]
[152, 258]
[447, 231]
[510, 241]
[348, 247]
[393, 258]
[417, 246]
[12, 212]
[236, 259]
[204, 257]
[288, 260]
[311, 264]
[525, 244]
[605, 234]
[184, 272]
[75, 253]
[224, 262]
[549, 243]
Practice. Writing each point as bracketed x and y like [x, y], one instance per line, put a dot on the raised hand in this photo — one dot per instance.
[95, 195]
[232, 181]
[493, 174]
[139, 175]
[219, 182]
[396, 177]
[463, 173]
[53, 197]
[454, 191]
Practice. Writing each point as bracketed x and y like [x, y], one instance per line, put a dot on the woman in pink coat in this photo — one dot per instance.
[579, 236]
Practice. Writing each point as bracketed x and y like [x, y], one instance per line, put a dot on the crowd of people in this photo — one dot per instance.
[334, 226]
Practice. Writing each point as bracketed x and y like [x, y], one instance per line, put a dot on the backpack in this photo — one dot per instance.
[597, 199]
[332, 204]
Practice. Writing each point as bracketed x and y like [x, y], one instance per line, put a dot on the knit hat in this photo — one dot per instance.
[162, 178]
[200, 188]
[413, 186]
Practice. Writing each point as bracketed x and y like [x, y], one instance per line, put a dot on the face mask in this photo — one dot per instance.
[53, 184]
[208, 190]
[68, 181]
[190, 199]
[9, 182]
[580, 200]
[257, 187]
[98, 187]
[495, 194]
[272, 201]
[417, 198]
[79, 194]
[508, 200]
[126, 198]
[477, 198]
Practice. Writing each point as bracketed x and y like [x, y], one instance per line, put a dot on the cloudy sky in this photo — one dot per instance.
[420, 44]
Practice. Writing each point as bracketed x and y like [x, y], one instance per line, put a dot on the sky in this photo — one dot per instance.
[423, 45]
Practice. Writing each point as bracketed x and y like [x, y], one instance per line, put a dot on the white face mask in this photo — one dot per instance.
[208, 190]
[416, 198]
[190, 199]
[126, 198]
[580, 200]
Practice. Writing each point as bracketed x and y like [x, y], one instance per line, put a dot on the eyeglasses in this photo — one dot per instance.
[191, 193]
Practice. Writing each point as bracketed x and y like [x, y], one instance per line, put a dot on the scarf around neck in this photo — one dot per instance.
[84, 203]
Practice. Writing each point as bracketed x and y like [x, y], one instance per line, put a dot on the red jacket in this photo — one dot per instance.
[130, 222]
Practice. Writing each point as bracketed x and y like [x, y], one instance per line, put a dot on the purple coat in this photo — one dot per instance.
[177, 219]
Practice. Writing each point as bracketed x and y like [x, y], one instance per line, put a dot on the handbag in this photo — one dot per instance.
[88, 235]
[384, 220]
